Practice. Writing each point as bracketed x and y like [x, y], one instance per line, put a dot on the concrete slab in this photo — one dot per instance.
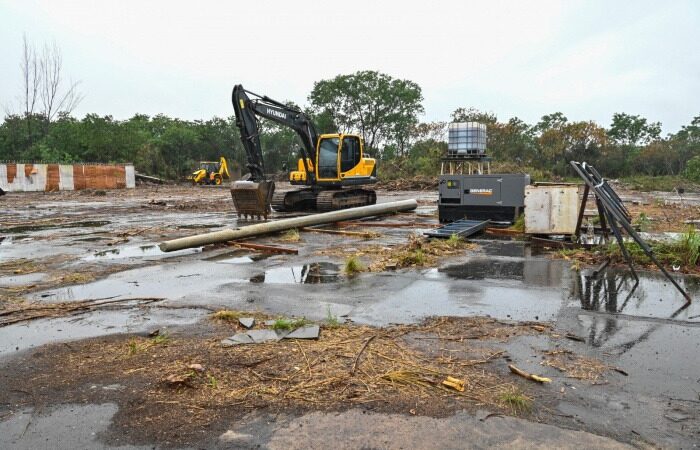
[305, 332]
[247, 322]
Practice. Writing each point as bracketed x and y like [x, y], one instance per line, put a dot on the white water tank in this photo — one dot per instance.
[466, 138]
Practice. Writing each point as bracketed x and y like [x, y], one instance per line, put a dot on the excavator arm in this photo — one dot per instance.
[247, 112]
[253, 197]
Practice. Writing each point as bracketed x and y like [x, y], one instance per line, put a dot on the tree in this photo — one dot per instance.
[632, 130]
[380, 108]
[554, 121]
[566, 141]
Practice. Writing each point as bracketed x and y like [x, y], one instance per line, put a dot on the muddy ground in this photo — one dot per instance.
[622, 362]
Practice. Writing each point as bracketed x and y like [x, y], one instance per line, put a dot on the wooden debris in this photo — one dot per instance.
[454, 383]
[372, 224]
[266, 248]
[362, 234]
[527, 375]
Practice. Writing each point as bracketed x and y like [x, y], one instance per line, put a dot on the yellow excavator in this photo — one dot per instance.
[210, 172]
[330, 169]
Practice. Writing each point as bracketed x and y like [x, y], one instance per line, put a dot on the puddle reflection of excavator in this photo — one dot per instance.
[330, 169]
[210, 172]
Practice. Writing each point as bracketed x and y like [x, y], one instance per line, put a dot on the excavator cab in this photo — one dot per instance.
[339, 160]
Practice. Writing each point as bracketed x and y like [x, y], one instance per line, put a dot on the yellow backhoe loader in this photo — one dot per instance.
[210, 172]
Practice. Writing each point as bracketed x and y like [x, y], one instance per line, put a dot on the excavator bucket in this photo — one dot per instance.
[252, 198]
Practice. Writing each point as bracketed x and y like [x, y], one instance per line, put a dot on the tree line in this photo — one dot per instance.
[384, 110]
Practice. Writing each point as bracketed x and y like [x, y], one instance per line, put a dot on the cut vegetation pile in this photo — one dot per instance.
[416, 183]
[417, 252]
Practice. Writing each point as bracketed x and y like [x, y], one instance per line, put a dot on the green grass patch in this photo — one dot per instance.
[665, 183]
[519, 224]
[289, 324]
[415, 257]
[160, 338]
[516, 400]
[353, 266]
[454, 240]
[331, 319]
[682, 252]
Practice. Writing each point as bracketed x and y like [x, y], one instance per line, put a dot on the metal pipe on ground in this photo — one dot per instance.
[287, 224]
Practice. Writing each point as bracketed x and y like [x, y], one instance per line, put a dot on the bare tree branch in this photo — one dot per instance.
[31, 77]
[55, 98]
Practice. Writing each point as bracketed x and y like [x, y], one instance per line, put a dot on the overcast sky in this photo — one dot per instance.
[588, 59]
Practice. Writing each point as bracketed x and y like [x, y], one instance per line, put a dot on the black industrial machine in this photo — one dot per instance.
[468, 189]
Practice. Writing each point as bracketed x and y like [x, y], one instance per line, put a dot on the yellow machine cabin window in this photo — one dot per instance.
[328, 159]
[349, 153]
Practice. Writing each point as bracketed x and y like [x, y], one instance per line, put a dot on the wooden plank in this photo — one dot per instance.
[266, 248]
[362, 234]
[381, 224]
[503, 232]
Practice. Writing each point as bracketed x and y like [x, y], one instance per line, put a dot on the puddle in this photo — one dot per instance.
[30, 228]
[138, 252]
[71, 425]
[9, 240]
[614, 291]
[314, 273]
[505, 248]
[534, 272]
[195, 226]
[238, 257]
[507, 289]
[21, 280]
[196, 279]
[524, 290]
[35, 333]
[661, 357]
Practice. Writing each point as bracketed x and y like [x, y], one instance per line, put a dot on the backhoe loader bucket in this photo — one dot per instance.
[252, 199]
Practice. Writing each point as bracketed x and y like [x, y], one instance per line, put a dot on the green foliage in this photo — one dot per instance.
[642, 222]
[381, 108]
[519, 224]
[632, 130]
[692, 169]
[682, 252]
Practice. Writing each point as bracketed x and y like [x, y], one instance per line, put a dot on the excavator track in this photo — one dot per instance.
[295, 200]
[333, 200]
